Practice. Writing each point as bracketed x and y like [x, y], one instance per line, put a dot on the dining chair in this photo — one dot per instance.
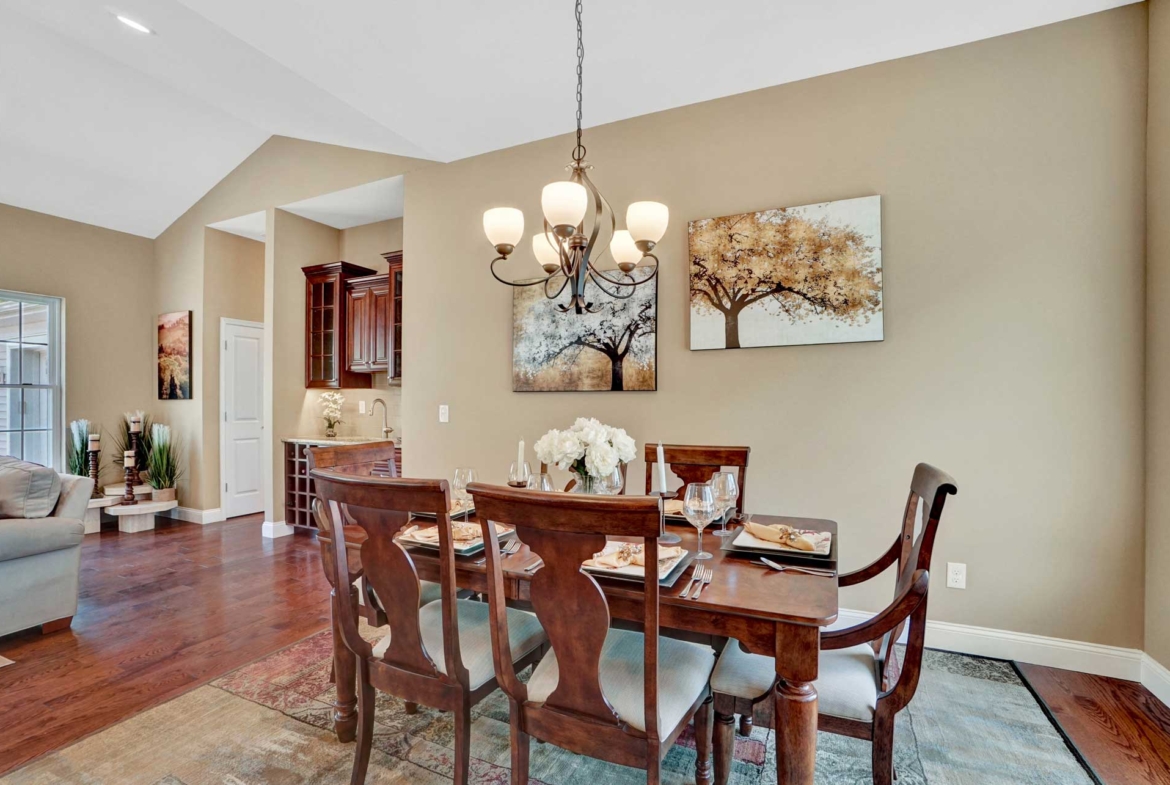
[618, 695]
[861, 685]
[573, 481]
[693, 463]
[437, 655]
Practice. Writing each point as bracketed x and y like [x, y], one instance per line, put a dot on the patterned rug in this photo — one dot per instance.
[972, 722]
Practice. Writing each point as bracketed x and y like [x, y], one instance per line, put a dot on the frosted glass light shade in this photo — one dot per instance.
[544, 248]
[564, 203]
[503, 225]
[647, 220]
[623, 250]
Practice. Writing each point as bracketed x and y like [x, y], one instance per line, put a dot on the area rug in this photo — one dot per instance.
[972, 722]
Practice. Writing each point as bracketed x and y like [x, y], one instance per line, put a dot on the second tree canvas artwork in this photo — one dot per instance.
[789, 276]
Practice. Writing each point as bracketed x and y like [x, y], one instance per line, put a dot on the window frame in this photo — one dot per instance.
[56, 369]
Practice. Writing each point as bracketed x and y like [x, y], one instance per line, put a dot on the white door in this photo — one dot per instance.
[241, 402]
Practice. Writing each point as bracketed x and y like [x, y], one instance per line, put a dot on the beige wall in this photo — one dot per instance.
[1012, 178]
[281, 171]
[107, 280]
[1158, 339]
[365, 245]
[233, 282]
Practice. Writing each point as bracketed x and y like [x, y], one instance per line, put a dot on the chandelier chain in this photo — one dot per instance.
[579, 150]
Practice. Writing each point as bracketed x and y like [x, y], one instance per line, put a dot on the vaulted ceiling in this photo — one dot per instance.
[125, 130]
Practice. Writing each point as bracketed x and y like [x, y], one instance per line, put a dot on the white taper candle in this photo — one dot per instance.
[661, 470]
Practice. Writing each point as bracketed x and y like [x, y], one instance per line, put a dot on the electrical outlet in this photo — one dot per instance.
[361, 407]
[444, 413]
[956, 575]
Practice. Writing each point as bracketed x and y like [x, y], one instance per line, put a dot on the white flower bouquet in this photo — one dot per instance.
[331, 403]
[590, 448]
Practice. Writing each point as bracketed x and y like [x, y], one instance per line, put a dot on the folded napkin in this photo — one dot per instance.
[673, 507]
[781, 534]
[460, 532]
[626, 554]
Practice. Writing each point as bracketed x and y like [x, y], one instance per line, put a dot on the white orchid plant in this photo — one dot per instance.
[588, 448]
[331, 403]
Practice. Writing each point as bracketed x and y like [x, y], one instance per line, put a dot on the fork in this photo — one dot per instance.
[707, 576]
[696, 581]
[510, 547]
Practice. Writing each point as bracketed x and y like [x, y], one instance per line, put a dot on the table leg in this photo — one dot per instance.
[345, 682]
[797, 657]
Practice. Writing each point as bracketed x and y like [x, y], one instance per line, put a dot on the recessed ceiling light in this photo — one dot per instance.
[133, 25]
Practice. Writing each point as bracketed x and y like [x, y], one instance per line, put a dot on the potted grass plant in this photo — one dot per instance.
[77, 459]
[162, 463]
[122, 440]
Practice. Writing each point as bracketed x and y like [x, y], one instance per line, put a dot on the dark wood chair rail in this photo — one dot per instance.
[695, 463]
[929, 489]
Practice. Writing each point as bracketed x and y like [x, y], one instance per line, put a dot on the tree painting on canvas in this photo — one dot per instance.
[790, 276]
[174, 355]
[612, 349]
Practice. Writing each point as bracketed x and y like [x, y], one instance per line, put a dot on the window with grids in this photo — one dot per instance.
[31, 394]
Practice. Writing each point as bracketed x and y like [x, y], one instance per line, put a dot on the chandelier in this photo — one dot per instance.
[568, 248]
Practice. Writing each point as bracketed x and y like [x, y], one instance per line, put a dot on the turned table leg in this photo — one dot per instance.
[345, 681]
[797, 657]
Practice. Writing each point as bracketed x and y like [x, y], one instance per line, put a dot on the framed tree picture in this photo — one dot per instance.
[614, 349]
[790, 276]
[174, 356]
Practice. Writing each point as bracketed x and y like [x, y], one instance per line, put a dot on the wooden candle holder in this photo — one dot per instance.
[135, 445]
[94, 463]
[131, 473]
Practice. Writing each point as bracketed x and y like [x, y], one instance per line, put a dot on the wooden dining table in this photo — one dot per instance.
[778, 614]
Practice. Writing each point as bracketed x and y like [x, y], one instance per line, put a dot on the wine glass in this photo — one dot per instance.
[699, 508]
[540, 482]
[518, 475]
[610, 484]
[726, 491]
[464, 476]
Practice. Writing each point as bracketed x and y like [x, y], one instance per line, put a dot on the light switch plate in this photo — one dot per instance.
[361, 407]
[444, 413]
[956, 575]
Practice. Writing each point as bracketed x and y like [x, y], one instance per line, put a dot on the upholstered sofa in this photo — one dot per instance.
[41, 527]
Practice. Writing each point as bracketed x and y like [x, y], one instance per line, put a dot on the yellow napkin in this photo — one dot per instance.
[781, 534]
[673, 507]
[631, 554]
[460, 532]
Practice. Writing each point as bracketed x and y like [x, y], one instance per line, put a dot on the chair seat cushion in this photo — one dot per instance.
[475, 642]
[847, 686]
[20, 537]
[683, 670]
[27, 490]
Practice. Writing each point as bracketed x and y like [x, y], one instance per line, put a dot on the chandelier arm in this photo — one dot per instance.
[564, 283]
[629, 288]
[513, 283]
[633, 282]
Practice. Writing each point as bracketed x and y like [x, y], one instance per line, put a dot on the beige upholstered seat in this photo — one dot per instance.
[847, 686]
[475, 643]
[683, 669]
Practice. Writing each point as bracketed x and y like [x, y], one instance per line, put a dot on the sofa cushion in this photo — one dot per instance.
[20, 537]
[27, 490]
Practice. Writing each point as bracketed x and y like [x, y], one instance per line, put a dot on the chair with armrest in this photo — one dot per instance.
[612, 694]
[438, 655]
[693, 463]
[861, 685]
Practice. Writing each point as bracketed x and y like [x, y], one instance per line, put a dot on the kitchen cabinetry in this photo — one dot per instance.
[327, 318]
[373, 324]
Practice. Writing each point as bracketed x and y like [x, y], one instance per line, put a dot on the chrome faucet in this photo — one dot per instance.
[386, 429]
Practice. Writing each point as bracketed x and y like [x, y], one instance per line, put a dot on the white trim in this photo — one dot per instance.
[1093, 658]
[224, 321]
[56, 385]
[191, 515]
[274, 529]
[1156, 678]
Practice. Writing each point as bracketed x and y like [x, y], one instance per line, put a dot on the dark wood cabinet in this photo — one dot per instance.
[327, 337]
[373, 324]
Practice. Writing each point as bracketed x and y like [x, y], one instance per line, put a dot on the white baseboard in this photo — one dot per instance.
[1114, 661]
[274, 529]
[191, 515]
[1156, 678]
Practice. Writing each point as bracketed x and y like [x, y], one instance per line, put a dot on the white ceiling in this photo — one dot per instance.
[111, 127]
[380, 200]
[254, 226]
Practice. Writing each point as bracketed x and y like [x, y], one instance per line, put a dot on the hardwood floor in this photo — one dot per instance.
[160, 613]
[1120, 728]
